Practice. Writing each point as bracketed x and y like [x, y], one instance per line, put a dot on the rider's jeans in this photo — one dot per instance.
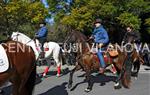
[101, 58]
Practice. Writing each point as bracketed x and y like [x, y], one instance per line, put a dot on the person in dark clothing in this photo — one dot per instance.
[41, 35]
[131, 36]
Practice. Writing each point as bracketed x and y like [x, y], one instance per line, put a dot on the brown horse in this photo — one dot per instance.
[22, 69]
[87, 61]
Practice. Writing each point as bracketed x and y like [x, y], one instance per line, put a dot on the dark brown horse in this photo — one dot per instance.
[22, 69]
[89, 63]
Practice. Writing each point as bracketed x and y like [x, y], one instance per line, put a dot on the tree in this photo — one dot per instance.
[115, 13]
[18, 13]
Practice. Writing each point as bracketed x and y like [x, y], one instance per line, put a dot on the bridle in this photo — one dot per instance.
[17, 38]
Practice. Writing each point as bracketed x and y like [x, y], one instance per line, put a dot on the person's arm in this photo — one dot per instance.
[92, 35]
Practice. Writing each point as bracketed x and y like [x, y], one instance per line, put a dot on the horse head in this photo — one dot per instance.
[14, 36]
[75, 36]
[20, 37]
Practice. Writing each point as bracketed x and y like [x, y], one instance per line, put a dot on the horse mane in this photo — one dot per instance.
[80, 35]
[26, 37]
[21, 36]
[76, 36]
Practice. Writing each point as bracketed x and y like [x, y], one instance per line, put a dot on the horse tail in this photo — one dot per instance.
[61, 57]
[126, 79]
[31, 81]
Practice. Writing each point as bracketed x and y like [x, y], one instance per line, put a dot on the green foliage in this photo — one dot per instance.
[22, 15]
[147, 23]
[128, 19]
[17, 13]
[78, 19]
[120, 12]
[137, 6]
[27, 29]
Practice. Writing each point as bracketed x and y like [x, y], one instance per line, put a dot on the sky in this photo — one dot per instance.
[51, 20]
[48, 20]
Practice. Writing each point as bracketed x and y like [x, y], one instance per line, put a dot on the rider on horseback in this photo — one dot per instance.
[41, 35]
[131, 36]
[101, 38]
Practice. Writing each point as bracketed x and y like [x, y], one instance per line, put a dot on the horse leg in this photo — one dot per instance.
[59, 63]
[136, 68]
[58, 59]
[16, 85]
[30, 83]
[77, 67]
[122, 78]
[45, 71]
[22, 87]
[88, 78]
[117, 84]
[58, 71]
[126, 79]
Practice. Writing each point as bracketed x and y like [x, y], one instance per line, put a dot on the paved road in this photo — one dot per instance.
[58, 86]
[53, 85]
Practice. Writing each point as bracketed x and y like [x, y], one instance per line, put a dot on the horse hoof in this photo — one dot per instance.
[102, 84]
[135, 78]
[1, 92]
[87, 90]
[58, 75]
[69, 86]
[42, 78]
[117, 87]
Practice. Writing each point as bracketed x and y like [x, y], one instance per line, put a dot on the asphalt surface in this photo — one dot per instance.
[52, 85]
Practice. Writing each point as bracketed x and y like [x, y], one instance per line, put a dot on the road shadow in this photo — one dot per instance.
[38, 79]
[102, 79]
[57, 90]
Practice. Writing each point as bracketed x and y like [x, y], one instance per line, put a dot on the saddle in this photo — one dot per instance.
[38, 48]
[113, 53]
[106, 56]
[46, 47]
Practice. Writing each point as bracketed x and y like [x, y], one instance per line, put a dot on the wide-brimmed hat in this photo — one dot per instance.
[98, 21]
[42, 22]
